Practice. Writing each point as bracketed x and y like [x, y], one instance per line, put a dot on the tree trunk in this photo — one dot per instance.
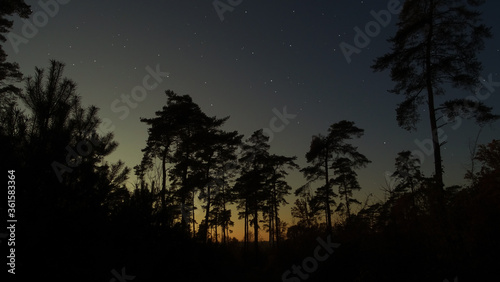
[216, 234]
[207, 214]
[163, 184]
[347, 205]
[271, 236]
[328, 212]
[194, 221]
[438, 169]
[256, 230]
[271, 213]
[224, 221]
[276, 218]
[277, 226]
[245, 235]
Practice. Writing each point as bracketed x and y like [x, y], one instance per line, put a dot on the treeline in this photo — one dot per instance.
[407, 236]
[58, 154]
[189, 151]
[189, 156]
[77, 220]
[74, 204]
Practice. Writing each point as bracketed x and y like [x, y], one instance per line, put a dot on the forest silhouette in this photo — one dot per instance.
[81, 222]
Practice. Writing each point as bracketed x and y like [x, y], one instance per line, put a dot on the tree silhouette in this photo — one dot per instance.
[225, 195]
[61, 136]
[219, 149]
[61, 163]
[409, 194]
[195, 148]
[306, 207]
[278, 189]
[9, 72]
[407, 174]
[435, 47]
[173, 137]
[347, 181]
[52, 103]
[160, 136]
[324, 154]
[261, 186]
[320, 154]
[12, 120]
[489, 157]
[74, 206]
[13, 131]
[251, 185]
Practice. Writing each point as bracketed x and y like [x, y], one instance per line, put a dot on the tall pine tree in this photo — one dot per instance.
[436, 47]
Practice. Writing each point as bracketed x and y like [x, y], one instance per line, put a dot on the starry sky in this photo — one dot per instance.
[252, 61]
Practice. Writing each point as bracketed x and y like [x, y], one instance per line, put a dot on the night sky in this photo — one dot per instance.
[250, 64]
